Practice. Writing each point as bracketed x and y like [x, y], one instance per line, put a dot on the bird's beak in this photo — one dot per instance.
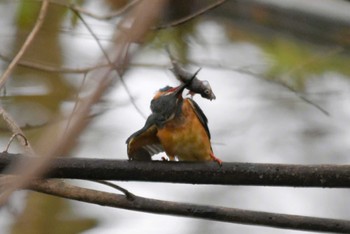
[181, 88]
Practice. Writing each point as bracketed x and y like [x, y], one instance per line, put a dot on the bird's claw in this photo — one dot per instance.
[219, 161]
[165, 159]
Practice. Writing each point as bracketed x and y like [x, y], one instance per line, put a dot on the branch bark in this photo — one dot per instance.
[216, 213]
[332, 176]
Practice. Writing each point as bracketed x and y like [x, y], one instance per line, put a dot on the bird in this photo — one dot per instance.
[144, 143]
[197, 86]
[176, 126]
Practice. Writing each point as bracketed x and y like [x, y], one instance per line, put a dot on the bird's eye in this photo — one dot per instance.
[207, 91]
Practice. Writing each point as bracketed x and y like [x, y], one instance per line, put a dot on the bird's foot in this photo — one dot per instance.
[169, 158]
[216, 159]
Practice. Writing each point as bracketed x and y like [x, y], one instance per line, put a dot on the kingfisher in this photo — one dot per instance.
[177, 126]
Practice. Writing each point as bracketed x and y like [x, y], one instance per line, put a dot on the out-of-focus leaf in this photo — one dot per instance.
[47, 214]
[176, 38]
[116, 4]
[292, 61]
[27, 13]
[298, 61]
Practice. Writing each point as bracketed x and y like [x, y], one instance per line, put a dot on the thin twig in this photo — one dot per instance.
[12, 138]
[128, 194]
[48, 68]
[76, 102]
[261, 77]
[132, 99]
[126, 88]
[301, 96]
[190, 17]
[311, 60]
[17, 131]
[108, 16]
[39, 22]
[93, 35]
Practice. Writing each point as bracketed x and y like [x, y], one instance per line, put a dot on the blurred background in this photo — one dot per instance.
[279, 69]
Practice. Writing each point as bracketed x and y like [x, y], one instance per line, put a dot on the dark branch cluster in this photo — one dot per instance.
[334, 176]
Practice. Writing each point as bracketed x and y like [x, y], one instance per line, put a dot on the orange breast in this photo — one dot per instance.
[185, 137]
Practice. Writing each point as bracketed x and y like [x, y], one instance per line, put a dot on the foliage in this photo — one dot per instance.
[294, 61]
[43, 213]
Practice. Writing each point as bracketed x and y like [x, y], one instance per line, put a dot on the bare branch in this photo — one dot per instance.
[27, 42]
[192, 16]
[256, 174]
[65, 142]
[76, 102]
[12, 138]
[104, 52]
[293, 70]
[128, 194]
[49, 68]
[109, 16]
[261, 77]
[216, 213]
[17, 132]
[302, 97]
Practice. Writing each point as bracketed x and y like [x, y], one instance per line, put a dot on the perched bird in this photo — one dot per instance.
[165, 105]
[177, 126]
[201, 87]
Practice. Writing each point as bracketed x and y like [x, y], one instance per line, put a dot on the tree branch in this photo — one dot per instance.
[148, 12]
[16, 131]
[216, 213]
[107, 16]
[39, 22]
[332, 176]
[190, 17]
[110, 63]
[51, 68]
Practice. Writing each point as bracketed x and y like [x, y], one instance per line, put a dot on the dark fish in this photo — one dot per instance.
[197, 86]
